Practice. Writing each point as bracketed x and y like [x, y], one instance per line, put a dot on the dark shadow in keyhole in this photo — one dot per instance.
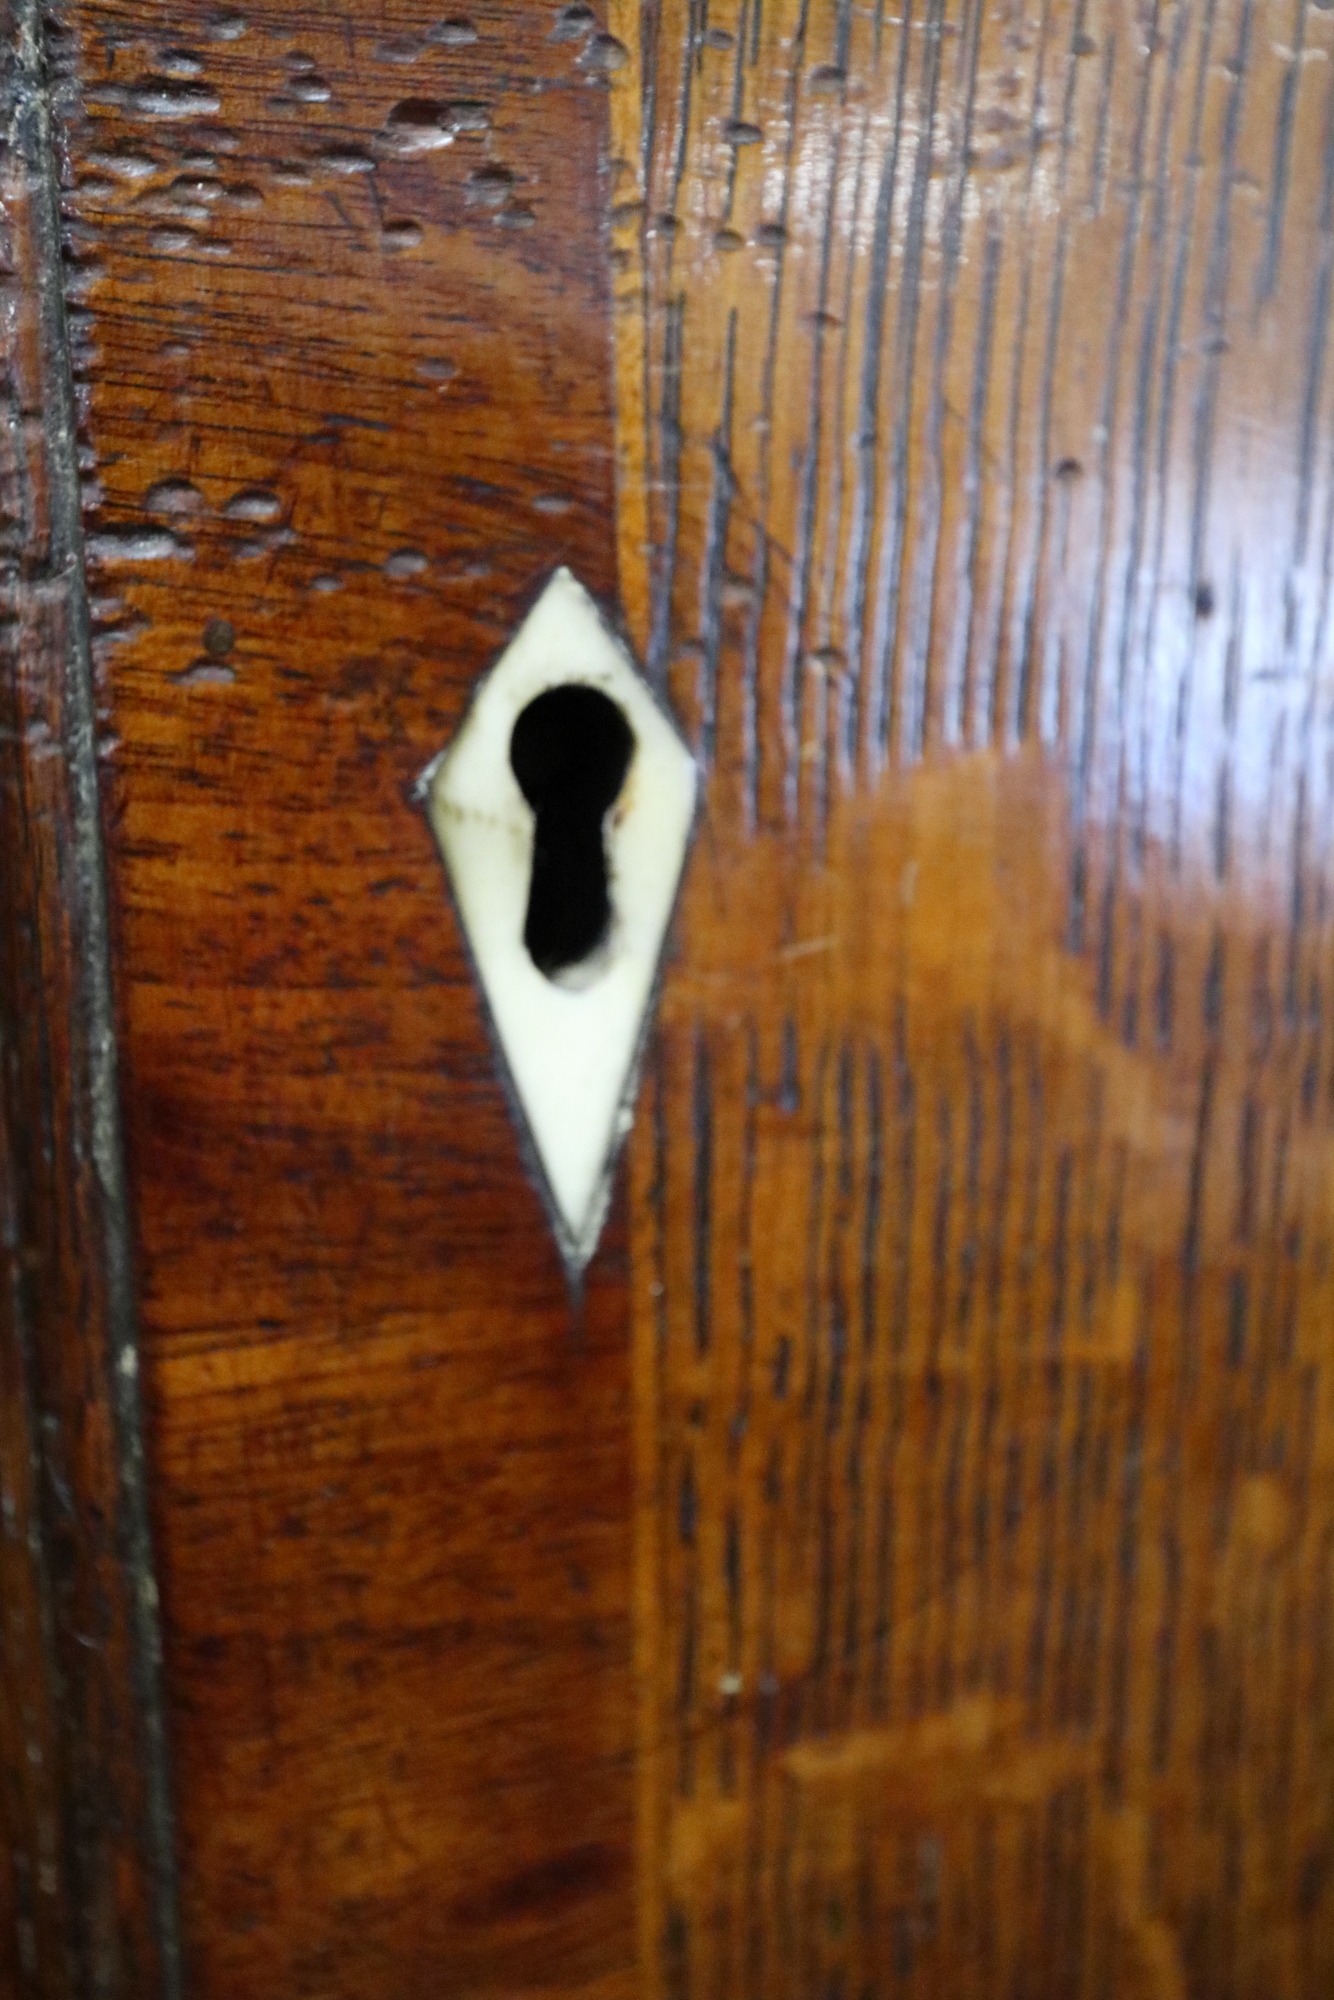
[570, 751]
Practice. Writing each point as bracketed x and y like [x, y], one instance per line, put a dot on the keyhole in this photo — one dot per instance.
[570, 751]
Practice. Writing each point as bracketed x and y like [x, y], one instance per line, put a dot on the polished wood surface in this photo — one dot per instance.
[909, 1567]
[976, 418]
[348, 388]
[86, 1888]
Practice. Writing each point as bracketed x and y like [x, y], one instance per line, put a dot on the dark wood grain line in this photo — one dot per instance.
[1280, 175]
[1172, 352]
[723, 487]
[844, 721]
[963, 721]
[750, 1251]
[999, 704]
[781, 758]
[702, 1136]
[795, 665]
[690, 55]
[888, 702]
[926, 579]
[669, 431]
[1108, 416]
[1206, 404]
[1317, 344]
[1142, 430]
[1027, 613]
[866, 490]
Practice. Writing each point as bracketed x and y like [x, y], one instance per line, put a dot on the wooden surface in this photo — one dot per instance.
[976, 421]
[350, 395]
[911, 1571]
[86, 1891]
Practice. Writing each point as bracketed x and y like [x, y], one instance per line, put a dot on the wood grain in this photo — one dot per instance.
[86, 1902]
[975, 425]
[344, 370]
[911, 1570]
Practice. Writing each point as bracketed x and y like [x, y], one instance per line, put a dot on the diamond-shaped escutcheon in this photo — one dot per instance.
[563, 809]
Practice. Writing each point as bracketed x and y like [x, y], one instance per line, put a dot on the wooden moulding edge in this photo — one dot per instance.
[84, 1793]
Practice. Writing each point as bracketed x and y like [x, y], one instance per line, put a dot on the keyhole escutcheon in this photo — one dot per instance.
[570, 751]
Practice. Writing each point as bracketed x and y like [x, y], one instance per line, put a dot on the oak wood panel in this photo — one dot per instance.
[975, 428]
[339, 295]
[976, 509]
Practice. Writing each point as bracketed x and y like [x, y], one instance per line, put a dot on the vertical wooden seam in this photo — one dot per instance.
[630, 22]
[70, 1249]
